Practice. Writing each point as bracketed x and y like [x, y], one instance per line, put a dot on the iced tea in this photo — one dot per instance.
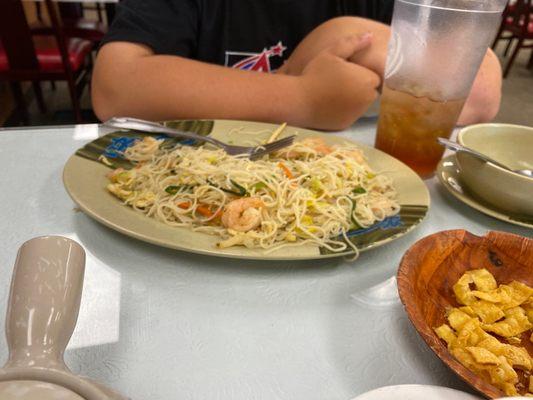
[408, 128]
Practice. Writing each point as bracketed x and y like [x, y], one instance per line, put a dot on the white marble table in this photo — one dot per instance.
[163, 324]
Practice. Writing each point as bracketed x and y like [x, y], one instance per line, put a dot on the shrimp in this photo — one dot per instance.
[381, 204]
[243, 214]
[121, 193]
[143, 150]
[150, 144]
[358, 156]
[114, 172]
[316, 143]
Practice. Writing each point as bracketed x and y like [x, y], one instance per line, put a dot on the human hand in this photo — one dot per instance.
[336, 92]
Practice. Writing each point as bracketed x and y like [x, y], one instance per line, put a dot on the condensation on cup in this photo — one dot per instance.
[434, 53]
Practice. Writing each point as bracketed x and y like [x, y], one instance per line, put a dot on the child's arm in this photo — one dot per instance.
[482, 104]
[330, 93]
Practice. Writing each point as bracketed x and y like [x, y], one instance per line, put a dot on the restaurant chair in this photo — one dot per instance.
[517, 24]
[74, 24]
[506, 21]
[55, 57]
[38, 11]
[98, 8]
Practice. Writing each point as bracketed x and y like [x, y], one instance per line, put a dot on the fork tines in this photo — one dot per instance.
[271, 147]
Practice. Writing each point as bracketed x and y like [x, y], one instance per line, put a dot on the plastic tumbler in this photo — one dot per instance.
[434, 53]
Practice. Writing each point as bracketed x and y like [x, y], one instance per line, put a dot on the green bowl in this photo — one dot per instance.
[511, 145]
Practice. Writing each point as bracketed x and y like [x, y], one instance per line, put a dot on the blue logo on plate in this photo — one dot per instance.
[388, 223]
[118, 146]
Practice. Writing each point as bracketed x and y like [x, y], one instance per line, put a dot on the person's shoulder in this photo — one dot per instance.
[165, 26]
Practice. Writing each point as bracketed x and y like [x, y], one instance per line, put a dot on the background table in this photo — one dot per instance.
[163, 324]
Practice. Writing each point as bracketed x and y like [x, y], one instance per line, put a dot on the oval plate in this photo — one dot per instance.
[85, 181]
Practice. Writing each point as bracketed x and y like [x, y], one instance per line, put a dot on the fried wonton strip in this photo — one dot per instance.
[446, 333]
[483, 356]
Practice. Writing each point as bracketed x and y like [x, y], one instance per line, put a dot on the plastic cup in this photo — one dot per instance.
[434, 54]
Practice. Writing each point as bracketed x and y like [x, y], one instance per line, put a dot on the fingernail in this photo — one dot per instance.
[366, 35]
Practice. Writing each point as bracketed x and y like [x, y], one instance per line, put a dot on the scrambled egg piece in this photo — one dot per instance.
[120, 186]
[488, 310]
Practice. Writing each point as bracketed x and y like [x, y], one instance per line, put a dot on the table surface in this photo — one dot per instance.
[162, 324]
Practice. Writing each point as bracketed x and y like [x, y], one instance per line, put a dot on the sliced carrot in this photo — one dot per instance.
[202, 209]
[286, 170]
[184, 205]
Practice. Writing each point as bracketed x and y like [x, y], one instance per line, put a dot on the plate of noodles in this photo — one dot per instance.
[324, 196]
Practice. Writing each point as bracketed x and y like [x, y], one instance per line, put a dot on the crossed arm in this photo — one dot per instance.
[328, 82]
[482, 104]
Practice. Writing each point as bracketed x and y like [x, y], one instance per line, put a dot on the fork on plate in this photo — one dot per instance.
[253, 152]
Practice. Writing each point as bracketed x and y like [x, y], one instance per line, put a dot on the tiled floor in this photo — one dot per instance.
[517, 99]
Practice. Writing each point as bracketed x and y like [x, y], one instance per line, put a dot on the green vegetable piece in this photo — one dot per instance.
[260, 185]
[242, 189]
[359, 190]
[175, 189]
[172, 189]
[354, 222]
[223, 189]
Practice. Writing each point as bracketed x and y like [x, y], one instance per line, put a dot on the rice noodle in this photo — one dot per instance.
[310, 192]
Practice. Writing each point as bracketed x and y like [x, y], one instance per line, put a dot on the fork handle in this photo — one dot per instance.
[154, 127]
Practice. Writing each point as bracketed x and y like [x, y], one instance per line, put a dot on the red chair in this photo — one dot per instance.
[518, 22]
[35, 59]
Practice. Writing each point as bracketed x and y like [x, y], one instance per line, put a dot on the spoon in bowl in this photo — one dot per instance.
[457, 147]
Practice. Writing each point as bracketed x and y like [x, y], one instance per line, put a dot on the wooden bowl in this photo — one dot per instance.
[431, 267]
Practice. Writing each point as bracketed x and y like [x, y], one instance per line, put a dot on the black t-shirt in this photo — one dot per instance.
[246, 34]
